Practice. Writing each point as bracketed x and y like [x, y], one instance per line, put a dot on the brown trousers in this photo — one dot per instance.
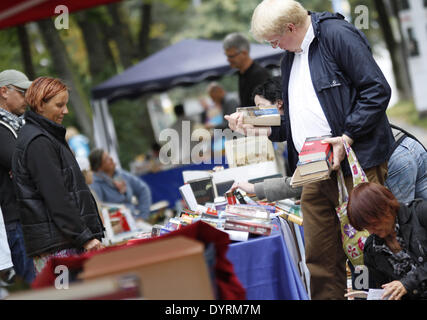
[325, 257]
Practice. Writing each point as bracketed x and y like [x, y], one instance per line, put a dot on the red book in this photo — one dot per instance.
[314, 150]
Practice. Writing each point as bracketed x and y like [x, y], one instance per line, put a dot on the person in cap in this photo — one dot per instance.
[13, 85]
[251, 74]
[116, 185]
[58, 212]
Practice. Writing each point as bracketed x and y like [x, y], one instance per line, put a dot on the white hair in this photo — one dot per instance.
[271, 17]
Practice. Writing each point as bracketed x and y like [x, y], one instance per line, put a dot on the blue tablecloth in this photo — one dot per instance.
[266, 270]
[164, 185]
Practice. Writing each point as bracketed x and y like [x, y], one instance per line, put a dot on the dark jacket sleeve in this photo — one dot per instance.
[278, 133]
[354, 57]
[415, 279]
[7, 143]
[45, 168]
[376, 277]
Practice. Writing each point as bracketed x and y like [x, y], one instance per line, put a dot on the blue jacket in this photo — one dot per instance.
[351, 89]
[107, 192]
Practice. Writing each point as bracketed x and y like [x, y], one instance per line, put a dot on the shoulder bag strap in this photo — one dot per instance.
[357, 172]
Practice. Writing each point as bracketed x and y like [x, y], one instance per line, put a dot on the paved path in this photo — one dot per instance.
[419, 132]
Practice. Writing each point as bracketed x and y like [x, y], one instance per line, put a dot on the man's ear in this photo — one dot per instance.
[4, 92]
[279, 104]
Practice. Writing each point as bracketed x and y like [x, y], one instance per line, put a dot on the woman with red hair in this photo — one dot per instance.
[395, 252]
[58, 213]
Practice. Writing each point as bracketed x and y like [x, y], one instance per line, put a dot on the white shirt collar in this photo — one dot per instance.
[309, 36]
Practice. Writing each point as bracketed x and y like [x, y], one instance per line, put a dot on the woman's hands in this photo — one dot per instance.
[393, 290]
[235, 122]
[93, 245]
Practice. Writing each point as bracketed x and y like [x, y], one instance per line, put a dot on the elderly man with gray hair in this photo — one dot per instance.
[251, 74]
[331, 85]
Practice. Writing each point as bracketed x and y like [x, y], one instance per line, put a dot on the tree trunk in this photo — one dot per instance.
[26, 52]
[101, 61]
[120, 33]
[62, 65]
[144, 33]
[403, 49]
[399, 68]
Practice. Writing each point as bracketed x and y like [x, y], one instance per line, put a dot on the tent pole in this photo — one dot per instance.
[104, 131]
[110, 132]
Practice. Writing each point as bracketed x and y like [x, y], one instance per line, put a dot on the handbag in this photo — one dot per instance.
[353, 241]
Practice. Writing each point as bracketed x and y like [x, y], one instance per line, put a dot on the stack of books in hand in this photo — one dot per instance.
[260, 116]
[314, 162]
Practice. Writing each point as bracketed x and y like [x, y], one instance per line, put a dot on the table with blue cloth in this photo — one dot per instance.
[265, 268]
[164, 185]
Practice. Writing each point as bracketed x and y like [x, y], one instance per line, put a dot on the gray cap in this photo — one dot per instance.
[15, 78]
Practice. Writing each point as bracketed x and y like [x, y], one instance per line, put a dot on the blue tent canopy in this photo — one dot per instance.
[184, 63]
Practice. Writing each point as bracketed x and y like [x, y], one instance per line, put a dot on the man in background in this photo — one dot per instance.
[251, 74]
[225, 102]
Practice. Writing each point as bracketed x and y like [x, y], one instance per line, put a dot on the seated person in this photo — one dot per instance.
[114, 185]
[395, 252]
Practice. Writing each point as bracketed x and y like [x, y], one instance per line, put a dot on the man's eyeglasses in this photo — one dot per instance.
[22, 91]
[231, 56]
[274, 43]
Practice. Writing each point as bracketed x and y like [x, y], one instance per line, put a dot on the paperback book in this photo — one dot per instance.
[314, 162]
[260, 116]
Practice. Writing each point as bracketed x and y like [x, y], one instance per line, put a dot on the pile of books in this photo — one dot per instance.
[236, 214]
[314, 162]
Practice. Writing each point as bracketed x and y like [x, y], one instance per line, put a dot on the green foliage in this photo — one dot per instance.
[10, 54]
[133, 128]
[317, 5]
[216, 18]
[405, 110]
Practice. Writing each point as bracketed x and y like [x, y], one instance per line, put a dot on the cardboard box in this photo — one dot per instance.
[118, 288]
[172, 268]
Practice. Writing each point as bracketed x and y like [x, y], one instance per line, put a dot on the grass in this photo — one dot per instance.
[406, 111]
